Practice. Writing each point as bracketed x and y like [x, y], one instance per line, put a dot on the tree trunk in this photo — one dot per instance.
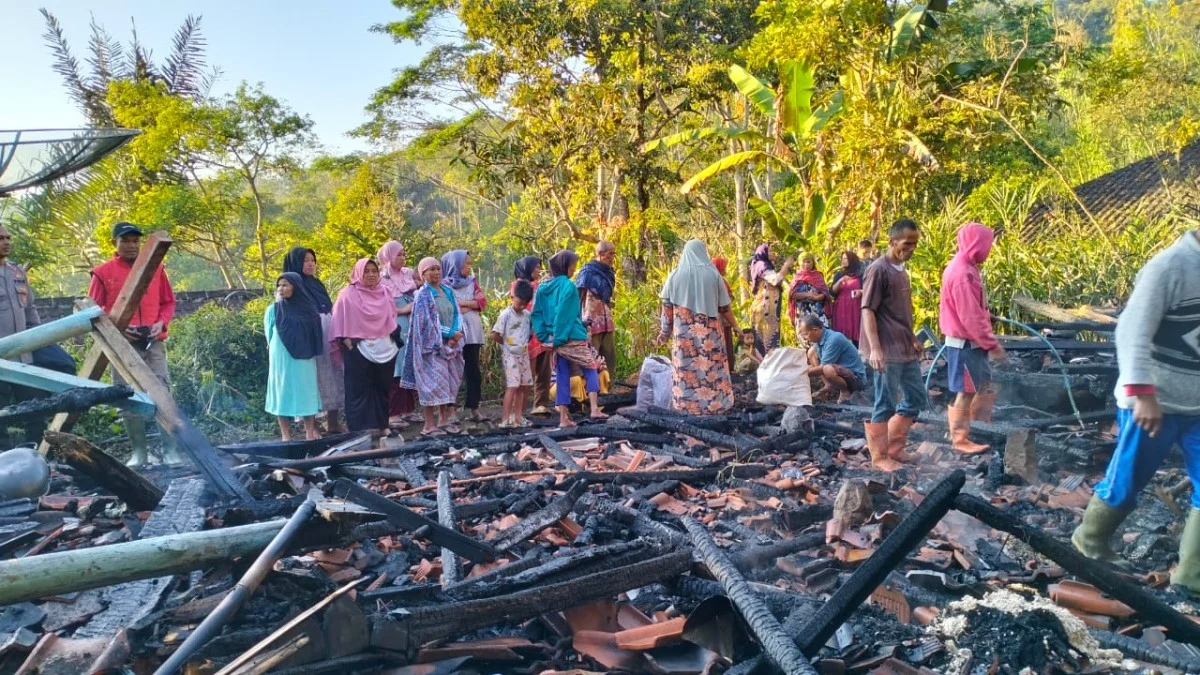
[260, 234]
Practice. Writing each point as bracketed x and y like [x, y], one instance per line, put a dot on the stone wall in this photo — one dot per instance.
[186, 302]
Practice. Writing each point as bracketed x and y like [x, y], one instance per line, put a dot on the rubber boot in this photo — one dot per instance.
[135, 428]
[960, 430]
[982, 406]
[1187, 572]
[898, 428]
[1099, 523]
[877, 443]
[170, 449]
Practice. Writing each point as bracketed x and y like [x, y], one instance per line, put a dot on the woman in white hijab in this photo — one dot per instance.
[694, 300]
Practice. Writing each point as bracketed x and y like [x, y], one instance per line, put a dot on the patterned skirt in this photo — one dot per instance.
[702, 385]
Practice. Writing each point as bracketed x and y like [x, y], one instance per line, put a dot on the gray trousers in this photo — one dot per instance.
[155, 357]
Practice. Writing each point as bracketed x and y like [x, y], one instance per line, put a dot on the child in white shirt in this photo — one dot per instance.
[511, 331]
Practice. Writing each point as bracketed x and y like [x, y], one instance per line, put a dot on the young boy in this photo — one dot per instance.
[748, 358]
[511, 332]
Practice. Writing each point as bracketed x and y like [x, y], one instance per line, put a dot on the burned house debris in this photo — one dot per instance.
[754, 542]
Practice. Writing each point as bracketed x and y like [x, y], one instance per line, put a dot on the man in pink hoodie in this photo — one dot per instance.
[967, 325]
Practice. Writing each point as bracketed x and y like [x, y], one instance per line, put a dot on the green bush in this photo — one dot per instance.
[218, 361]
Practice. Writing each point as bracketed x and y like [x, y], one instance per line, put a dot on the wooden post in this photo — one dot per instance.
[170, 417]
[70, 326]
[154, 249]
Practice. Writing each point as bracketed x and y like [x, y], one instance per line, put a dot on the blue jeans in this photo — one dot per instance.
[1138, 456]
[899, 379]
[562, 390]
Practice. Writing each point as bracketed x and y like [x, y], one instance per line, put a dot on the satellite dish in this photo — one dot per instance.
[32, 157]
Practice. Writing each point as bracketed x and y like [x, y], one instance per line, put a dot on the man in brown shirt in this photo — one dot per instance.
[892, 349]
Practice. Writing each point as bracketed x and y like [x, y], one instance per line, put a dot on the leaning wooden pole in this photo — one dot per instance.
[1098, 574]
[779, 647]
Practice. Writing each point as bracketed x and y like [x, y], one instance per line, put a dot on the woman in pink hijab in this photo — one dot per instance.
[402, 282]
[364, 319]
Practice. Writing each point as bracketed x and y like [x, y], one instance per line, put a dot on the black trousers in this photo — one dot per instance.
[367, 387]
[473, 376]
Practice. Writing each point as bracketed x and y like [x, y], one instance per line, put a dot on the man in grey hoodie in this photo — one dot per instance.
[1158, 402]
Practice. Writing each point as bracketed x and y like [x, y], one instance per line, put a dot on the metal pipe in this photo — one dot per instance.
[245, 588]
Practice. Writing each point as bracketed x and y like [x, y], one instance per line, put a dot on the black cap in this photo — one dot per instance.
[122, 229]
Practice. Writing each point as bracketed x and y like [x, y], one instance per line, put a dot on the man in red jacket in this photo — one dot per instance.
[147, 330]
[967, 324]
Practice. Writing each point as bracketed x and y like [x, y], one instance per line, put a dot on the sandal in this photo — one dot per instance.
[434, 433]
[452, 428]
[507, 425]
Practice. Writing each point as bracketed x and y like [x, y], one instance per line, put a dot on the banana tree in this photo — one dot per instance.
[794, 122]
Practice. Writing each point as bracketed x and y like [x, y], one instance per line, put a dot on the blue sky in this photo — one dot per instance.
[317, 55]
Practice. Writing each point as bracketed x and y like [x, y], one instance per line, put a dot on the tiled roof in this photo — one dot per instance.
[1144, 190]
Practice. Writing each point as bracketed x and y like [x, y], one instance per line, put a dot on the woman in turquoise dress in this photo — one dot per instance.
[294, 339]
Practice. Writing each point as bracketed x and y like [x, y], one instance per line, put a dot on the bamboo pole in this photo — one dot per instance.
[64, 572]
[30, 339]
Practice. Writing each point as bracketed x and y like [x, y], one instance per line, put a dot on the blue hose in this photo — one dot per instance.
[1062, 365]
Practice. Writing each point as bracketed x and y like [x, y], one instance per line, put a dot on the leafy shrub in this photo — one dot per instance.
[218, 361]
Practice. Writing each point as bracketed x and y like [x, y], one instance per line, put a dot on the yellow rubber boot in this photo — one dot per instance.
[898, 428]
[983, 405]
[960, 430]
[877, 443]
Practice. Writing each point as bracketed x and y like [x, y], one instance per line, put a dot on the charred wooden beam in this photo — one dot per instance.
[560, 453]
[641, 525]
[445, 506]
[777, 645]
[433, 446]
[758, 556]
[406, 630]
[680, 426]
[414, 522]
[1091, 571]
[125, 483]
[414, 476]
[75, 400]
[554, 512]
[894, 549]
[557, 565]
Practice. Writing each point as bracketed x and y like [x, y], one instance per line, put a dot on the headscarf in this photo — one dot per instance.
[760, 263]
[722, 264]
[401, 281]
[294, 262]
[811, 278]
[425, 265]
[298, 322]
[523, 268]
[598, 279]
[695, 283]
[362, 313]
[561, 262]
[452, 264]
